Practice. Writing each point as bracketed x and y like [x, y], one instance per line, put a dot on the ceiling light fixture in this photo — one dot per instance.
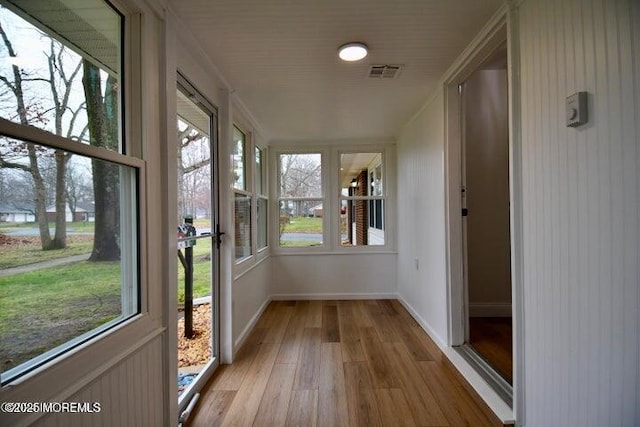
[352, 51]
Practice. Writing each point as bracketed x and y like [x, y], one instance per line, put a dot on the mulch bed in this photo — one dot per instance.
[197, 350]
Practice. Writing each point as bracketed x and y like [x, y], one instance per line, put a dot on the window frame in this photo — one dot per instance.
[246, 192]
[261, 196]
[369, 198]
[91, 348]
[325, 185]
[242, 265]
[332, 197]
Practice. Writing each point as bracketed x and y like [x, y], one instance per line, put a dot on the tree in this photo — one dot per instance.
[194, 178]
[300, 177]
[102, 117]
[33, 112]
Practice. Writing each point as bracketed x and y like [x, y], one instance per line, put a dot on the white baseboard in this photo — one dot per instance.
[331, 296]
[247, 330]
[423, 324]
[484, 390]
[490, 309]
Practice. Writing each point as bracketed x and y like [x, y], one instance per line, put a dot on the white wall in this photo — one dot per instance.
[486, 141]
[250, 294]
[581, 213]
[333, 276]
[421, 218]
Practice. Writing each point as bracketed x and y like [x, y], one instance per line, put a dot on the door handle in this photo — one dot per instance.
[219, 235]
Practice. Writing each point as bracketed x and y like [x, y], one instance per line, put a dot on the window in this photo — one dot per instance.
[79, 203]
[362, 199]
[242, 197]
[262, 202]
[300, 199]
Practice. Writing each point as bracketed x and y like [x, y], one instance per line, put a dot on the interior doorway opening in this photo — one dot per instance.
[485, 222]
[479, 217]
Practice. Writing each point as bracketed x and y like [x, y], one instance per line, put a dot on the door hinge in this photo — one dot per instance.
[465, 212]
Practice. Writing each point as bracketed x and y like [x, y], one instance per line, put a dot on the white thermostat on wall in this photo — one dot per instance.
[577, 109]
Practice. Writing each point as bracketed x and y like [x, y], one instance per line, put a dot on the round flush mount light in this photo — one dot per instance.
[352, 51]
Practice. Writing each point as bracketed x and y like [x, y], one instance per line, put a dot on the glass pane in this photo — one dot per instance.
[300, 175]
[260, 187]
[195, 306]
[361, 174]
[262, 223]
[242, 226]
[239, 169]
[194, 165]
[64, 75]
[65, 218]
[301, 222]
[362, 222]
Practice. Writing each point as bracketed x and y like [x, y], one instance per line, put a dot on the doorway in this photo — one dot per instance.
[198, 246]
[485, 221]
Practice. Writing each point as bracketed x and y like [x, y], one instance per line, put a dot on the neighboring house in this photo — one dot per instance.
[11, 214]
[84, 212]
[316, 211]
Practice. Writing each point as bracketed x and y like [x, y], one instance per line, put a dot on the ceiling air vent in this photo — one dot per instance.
[384, 71]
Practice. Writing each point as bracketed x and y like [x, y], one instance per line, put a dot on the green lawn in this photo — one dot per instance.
[201, 271]
[298, 243]
[16, 256]
[42, 309]
[301, 224]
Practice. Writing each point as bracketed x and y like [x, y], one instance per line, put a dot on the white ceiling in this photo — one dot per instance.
[280, 56]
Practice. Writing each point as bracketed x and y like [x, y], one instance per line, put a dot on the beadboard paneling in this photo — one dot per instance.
[422, 274]
[130, 394]
[581, 216]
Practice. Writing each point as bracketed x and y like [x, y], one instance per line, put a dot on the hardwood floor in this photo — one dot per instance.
[339, 363]
[491, 337]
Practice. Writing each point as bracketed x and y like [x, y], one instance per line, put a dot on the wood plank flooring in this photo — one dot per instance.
[339, 363]
[491, 337]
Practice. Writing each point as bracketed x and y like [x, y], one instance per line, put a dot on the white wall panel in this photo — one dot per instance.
[250, 293]
[581, 213]
[422, 284]
[130, 394]
[333, 276]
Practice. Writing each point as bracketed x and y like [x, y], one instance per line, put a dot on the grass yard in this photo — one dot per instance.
[298, 243]
[42, 309]
[201, 271]
[78, 227]
[25, 250]
[301, 224]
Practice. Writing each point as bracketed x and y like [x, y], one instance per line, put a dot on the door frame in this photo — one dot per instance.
[185, 86]
[504, 26]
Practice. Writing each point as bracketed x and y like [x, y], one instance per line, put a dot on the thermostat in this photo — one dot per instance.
[577, 109]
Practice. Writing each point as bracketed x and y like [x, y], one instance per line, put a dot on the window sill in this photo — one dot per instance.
[334, 252]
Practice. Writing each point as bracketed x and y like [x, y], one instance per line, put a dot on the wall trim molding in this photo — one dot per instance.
[247, 329]
[332, 296]
[490, 309]
[484, 390]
